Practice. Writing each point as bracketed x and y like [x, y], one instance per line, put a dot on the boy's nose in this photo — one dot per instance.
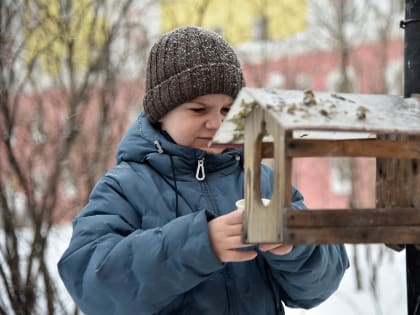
[214, 121]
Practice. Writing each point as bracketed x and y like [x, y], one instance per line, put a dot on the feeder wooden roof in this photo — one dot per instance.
[324, 113]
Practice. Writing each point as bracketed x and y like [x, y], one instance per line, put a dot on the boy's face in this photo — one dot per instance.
[193, 124]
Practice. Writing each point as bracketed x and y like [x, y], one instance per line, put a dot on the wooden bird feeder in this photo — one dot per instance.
[285, 124]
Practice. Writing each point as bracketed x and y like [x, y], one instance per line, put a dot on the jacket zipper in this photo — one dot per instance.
[233, 303]
[273, 288]
[200, 174]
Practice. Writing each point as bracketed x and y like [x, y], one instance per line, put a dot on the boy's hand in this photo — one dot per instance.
[225, 237]
[277, 249]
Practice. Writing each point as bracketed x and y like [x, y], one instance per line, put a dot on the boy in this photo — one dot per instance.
[160, 233]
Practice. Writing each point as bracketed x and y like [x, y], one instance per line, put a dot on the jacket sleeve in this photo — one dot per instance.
[308, 275]
[112, 266]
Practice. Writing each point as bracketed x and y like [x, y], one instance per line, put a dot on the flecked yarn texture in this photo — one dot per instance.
[186, 63]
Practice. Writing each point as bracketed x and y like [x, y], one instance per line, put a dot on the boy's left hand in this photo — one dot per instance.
[276, 249]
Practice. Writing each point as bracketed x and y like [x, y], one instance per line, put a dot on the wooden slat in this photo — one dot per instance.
[382, 113]
[339, 235]
[355, 147]
[351, 148]
[353, 217]
[282, 175]
[260, 223]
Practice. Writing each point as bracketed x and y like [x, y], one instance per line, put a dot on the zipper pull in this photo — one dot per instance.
[200, 174]
[158, 146]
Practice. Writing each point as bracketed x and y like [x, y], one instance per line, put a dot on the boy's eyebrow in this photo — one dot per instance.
[208, 104]
[199, 103]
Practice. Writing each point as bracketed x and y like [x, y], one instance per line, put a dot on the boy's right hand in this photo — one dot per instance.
[225, 237]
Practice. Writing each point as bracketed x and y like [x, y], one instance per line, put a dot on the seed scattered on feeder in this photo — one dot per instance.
[361, 112]
[323, 112]
[291, 109]
[309, 98]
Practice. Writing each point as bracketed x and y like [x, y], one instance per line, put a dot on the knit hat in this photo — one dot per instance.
[186, 63]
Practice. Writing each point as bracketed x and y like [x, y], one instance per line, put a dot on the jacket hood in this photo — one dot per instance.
[144, 143]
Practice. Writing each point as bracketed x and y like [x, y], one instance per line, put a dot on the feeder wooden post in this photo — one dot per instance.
[266, 223]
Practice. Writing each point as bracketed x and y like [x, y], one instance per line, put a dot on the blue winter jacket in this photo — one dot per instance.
[141, 244]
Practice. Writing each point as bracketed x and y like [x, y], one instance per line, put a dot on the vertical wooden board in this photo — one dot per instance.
[252, 173]
[282, 175]
[260, 224]
[397, 180]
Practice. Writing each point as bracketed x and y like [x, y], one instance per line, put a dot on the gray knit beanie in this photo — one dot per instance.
[186, 63]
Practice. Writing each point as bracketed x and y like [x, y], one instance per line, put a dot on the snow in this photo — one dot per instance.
[347, 300]
[391, 286]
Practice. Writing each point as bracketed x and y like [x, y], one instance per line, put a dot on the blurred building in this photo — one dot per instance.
[238, 21]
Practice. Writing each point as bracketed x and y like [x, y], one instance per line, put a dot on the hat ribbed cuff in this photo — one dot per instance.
[211, 78]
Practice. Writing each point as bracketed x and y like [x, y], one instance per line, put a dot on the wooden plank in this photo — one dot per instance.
[339, 235]
[252, 152]
[351, 148]
[354, 147]
[281, 199]
[378, 114]
[352, 218]
[341, 112]
[260, 223]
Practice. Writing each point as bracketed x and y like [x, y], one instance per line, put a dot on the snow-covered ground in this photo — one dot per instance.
[391, 287]
[347, 300]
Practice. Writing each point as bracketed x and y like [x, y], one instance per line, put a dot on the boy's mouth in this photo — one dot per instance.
[205, 138]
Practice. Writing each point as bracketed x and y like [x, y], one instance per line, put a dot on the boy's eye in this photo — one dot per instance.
[225, 110]
[197, 109]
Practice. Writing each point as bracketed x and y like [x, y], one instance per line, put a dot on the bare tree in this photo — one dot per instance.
[65, 100]
[384, 20]
[340, 26]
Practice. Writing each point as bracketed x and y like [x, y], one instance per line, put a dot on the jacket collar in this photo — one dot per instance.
[143, 143]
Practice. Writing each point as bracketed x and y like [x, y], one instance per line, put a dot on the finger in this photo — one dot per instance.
[236, 256]
[221, 230]
[233, 242]
[277, 249]
[282, 250]
[234, 217]
[233, 230]
[267, 247]
[242, 245]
